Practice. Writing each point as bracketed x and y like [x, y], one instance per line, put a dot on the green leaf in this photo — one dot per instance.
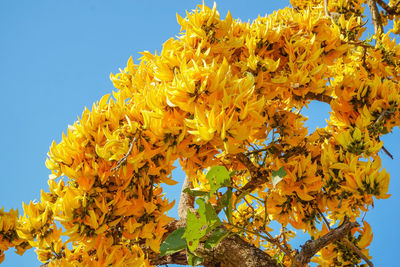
[207, 210]
[279, 259]
[193, 231]
[226, 197]
[226, 201]
[278, 175]
[193, 260]
[233, 173]
[216, 237]
[174, 242]
[197, 228]
[195, 192]
[218, 176]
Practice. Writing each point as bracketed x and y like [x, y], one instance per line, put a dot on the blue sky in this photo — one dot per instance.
[55, 59]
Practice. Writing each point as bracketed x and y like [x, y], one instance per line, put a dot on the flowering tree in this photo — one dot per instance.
[225, 98]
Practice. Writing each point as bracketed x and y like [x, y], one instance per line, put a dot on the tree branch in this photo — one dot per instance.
[233, 251]
[124, 158]
[326, 8]
[270, 239]
[179, 258]
[311, 247]
[323, 217]
[376, 17]
[385, 113]
[387, 152]
[320, 97]
[390, 10]
[333, 15]
[258, 176]
[348, 243]
[186, 201]
[253, 169]
[228, 253]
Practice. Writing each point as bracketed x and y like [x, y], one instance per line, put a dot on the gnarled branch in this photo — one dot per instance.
[311, 247]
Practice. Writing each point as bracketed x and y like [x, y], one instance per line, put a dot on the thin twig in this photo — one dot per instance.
[151, 188]
[387, 152]
[363, 217]
[249, 205]
[265, 209]
[364, 61]
[357, 251]
[383, 114]
[284, 239]
[241, 191]
[256, 151]
[362, 44]
[124, 158]
[323, 217]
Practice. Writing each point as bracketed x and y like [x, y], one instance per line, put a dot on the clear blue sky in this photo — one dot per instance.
[55, 59]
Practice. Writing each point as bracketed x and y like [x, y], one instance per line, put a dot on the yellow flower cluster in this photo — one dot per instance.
[8, 233]
[223, 87]
[341, 7]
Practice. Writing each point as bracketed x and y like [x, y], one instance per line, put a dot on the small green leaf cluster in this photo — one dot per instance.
[204, 225]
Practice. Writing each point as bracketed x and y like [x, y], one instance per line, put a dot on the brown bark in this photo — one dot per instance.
[257, 175]
[233, 251]
[230, 252]
[186, 201]
[176, 258]
[311, 247]
[376, 17]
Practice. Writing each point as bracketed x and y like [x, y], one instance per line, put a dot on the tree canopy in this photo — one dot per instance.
[225, 99]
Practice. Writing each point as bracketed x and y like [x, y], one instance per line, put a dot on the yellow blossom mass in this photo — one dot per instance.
[223, 88]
